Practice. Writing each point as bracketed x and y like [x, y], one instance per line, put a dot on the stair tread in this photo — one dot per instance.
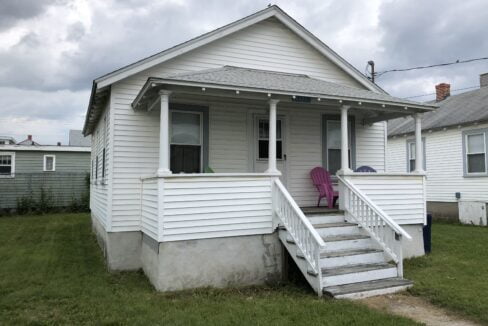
[366, 286]
[332, 225]
[345, 237]
[350, 252]
[349, 269]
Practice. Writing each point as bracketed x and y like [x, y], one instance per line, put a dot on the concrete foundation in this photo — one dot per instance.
[415, 247]
[218, 262]
[443, 210]
[122, 250]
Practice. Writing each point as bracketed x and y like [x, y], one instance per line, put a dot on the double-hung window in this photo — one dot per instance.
[475, 151]
[49, 163]
[186, 141]
[7, 164]
[411, 155]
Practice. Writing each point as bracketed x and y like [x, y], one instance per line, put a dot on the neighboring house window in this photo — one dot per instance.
[7, 164]
[49, 163]
[411, 154]
[263, 139]
[186, 142]
[96, 168]
[475, 149]
[103, 163]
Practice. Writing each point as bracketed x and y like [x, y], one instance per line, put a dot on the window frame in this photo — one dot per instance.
[424, 153]
[351, 142]
[44, 162]
[12, 164]
[258, 138]
[465, 134]
[202, 140]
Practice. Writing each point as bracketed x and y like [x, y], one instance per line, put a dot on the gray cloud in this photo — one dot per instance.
[54, 86]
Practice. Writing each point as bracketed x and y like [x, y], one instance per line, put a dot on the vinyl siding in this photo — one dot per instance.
[99, 189]
[196, 208]
[444, 162]
[401, 197]
[149, 207]
[267, 45]
[370, 145]
[64, 185]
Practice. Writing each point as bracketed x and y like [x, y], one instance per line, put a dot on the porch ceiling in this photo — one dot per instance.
[259, 84]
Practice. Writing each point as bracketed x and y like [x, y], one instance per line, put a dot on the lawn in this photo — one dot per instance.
[455, 275]
[52, 272]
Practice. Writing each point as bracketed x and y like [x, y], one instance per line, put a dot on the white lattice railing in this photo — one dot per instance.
[387, 233]
[298, 226]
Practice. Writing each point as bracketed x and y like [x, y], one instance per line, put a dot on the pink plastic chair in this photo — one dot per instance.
[321, 180]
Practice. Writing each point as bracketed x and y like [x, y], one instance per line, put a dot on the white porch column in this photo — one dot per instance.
[344, 140]
[419, 151]
[272, 137]
[163, 168]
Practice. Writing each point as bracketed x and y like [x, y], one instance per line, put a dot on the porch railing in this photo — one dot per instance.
[298, 226]
[384, 230]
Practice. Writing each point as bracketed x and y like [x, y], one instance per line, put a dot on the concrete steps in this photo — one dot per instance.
[352, 264]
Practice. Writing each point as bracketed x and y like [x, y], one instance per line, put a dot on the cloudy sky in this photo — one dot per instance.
[51, 50]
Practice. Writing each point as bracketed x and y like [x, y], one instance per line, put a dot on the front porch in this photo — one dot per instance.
[234, 165]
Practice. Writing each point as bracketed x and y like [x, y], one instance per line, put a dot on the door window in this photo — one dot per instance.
[263, 139]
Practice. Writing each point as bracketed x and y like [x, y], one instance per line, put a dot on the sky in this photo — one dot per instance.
[51, 50]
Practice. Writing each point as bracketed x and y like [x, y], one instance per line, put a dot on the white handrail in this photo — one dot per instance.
[385, 231]
[298, 226]
[388, 220]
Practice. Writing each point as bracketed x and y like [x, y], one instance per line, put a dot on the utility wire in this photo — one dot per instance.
[453, 90]
[380, 73]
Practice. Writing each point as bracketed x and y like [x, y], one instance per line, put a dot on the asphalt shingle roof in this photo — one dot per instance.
[455, 110]
[284, 82]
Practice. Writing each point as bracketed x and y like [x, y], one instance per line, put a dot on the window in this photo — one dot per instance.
[103, 163]
[96, 168]
[49, 163]
[332, 151]
[475, 149]
[263, 139]
[186, 140]
[411, 154]
[7, 164]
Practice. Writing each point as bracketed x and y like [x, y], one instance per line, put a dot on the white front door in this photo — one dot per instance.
[261, 143]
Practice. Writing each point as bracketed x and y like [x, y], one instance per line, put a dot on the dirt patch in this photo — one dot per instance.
[417, 309]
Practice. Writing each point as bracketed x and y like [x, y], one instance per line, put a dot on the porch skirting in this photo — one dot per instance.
[188, 264]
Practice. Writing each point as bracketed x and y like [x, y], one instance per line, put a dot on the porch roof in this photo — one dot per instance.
[279, 83]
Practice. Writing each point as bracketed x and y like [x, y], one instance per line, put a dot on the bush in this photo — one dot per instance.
[25, 205]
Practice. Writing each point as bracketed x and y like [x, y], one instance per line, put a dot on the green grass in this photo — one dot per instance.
[455, 274]
[52, 272]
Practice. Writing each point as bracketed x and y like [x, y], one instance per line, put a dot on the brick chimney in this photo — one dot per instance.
[442, 91]
[29, 137]
[484, 79]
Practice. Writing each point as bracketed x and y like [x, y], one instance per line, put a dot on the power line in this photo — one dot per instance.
[453, 90]
[380, 73]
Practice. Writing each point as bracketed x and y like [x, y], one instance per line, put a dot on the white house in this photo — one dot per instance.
[202, 156]
[455, 139]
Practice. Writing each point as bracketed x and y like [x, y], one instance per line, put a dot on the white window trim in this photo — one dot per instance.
[12, 160]
[409, 152]
[54, 163]
[258, 138]
[466, 134]
[200, 114]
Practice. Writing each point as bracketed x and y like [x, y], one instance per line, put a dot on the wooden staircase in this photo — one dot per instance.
[352, 264]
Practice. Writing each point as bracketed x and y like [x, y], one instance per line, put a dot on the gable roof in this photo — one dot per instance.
[455, 110]
[101, 85]
[254, 80]
[271, 11]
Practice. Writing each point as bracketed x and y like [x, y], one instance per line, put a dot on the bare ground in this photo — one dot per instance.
[417, 309]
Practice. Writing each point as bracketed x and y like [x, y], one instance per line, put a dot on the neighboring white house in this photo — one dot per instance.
[201, 160]
[456, 148]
